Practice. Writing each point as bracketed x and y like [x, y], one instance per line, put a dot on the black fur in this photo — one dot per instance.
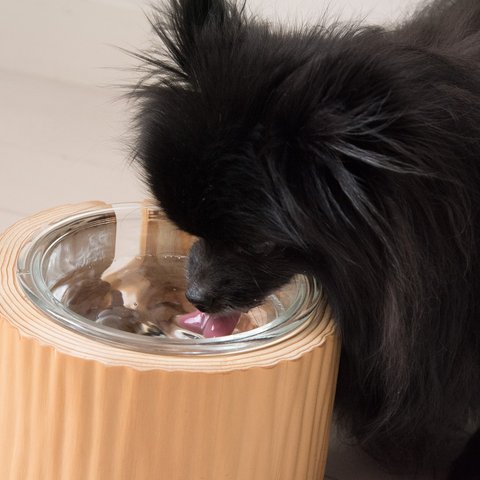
[348, 153]
[467, 466]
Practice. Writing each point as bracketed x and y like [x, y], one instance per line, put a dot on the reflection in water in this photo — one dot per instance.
[147, 296]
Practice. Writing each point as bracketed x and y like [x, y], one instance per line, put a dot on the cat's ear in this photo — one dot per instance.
[196, 14]
[191, 28]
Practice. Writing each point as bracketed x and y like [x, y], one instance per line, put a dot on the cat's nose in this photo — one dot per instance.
[200, 298]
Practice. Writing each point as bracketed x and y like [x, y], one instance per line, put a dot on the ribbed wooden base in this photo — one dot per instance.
[72, 408]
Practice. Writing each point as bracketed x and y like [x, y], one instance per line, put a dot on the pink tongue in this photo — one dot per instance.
[209, 325]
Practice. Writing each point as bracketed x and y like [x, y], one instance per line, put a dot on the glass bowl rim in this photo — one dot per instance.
[29, 272]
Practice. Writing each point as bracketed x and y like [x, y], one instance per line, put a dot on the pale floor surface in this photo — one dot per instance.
[62, 143]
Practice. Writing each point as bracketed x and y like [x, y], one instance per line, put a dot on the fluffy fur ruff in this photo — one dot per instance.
[348, 153]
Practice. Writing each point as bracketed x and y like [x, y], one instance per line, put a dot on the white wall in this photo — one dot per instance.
[76, 40]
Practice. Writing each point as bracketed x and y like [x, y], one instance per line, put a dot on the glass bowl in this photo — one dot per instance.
[116, 274]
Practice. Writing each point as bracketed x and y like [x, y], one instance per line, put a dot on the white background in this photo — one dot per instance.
[73, 40]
